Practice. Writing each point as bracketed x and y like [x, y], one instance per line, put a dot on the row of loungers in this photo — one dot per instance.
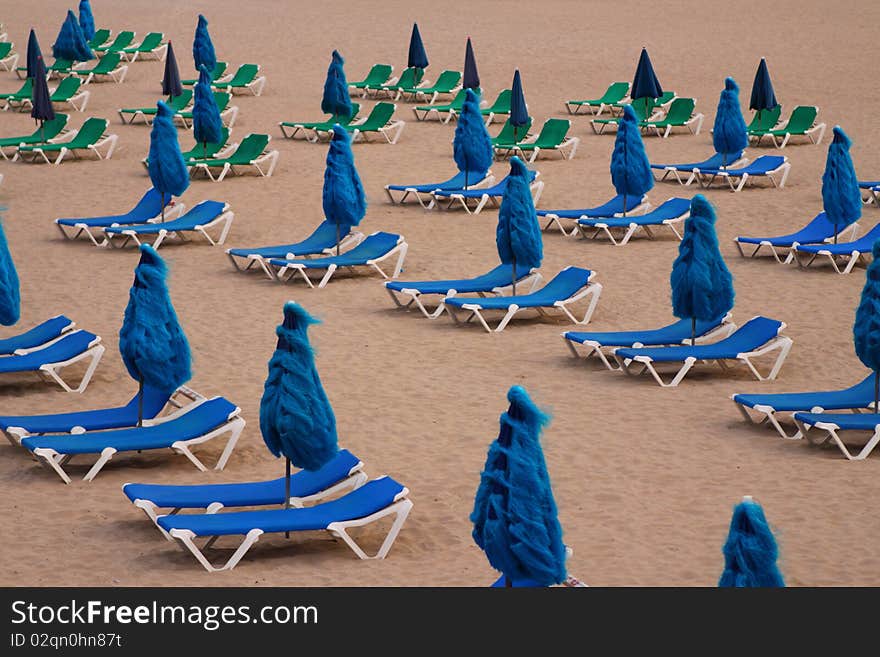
[182, 107]
[68, 94]
[51, 145]
[380, 122]
[733, 169]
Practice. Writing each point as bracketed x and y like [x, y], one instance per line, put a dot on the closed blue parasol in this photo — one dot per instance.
[33, 52]
[472, 145]
[171, 85]
[702, 287]
[203, 48]
[207, 124]
[729, 134]
[41, 103]
[343, 195]
[866, 330]
[336, 99]
[750, 551]
[167, 169]
[417, 57]
[296, 418]
[471, 78]
[630, 168]
[86, 19]
[153, 345]
[518, 235]
[515, 517]
[71, 42]
[10, 299]
[841, 196]
[645, 85]
[519, 112]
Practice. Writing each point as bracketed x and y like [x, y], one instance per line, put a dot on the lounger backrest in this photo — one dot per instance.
[510, 135]
[67, 88]
[219, 70]
[122, 40]
[100, 37]
[766, 163]
[108, 63]
[250, 148]
[203, 151]
[802, 118]
[870, 237]
[502, 103]
[53, 128]
[355, 110]
[89, 133]
[5, 48]
[60, 65]
[71, 344]
[566, 283]
[374, 246]
[680, 110]
[150, 42]
[379, 74]
[198, 215]
[616, 92]
[448, 80]
[27, 89]
[670, 209]
[410, 77]
[150, 204]
[379, 117]
[458, 102]
[765, 119]
[222, 99]
[553, 133]
[754, 333]
[179, 103]
[244, 75]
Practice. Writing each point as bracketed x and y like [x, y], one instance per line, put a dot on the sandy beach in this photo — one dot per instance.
[645, 478]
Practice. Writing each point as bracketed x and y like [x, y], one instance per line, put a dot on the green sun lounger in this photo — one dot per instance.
[380, 121]
[499, 109]
[109, 66]
[101, 37]
[613, 97]
[411, 77]
[599, 125]
[153, 45]
[176, 103]
[20, 98]
[378, 75]
[764, 121]
[553, 137]
[70, 92]
[443, 113]
[246, 78]
[90, 137]
[510, 135]
[59, 67]
[216, 74]
[447, 84]
[648, 105]
[314, 130]
[227, 114]
[801, 123]
[8, 59]
[206, 151]
[680, 115]
[252, 152]
[51, 130]
[123, 40]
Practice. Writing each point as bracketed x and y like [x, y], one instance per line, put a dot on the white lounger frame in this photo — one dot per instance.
[158, 53]
[117, 74]
[8, 64]
[287, 272]
[394, 127]
[171, 212]
[593, 231]
[689, 124]
[762, 413]
[852, 231]
[426, 199]
[831, 434]
[106, 140]
[399, 509]
[223, 220]
[255, 86]
[536, 187]
[675, 171]
[780, 343]
[407, 297]
[705, 180]
[848, 261]
[566, 149]
[265, 166]
[254, 259]
[233, 426]
[590, 291]
[556, 220]
[52, 371]
[590, 348]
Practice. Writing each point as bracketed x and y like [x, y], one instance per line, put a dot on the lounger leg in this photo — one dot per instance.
[511, 311]
[234, 428]
[783, 344]
[52, 369]
[594, 291]
[186, 537]
[399, 509]
[327, 276]
[106, 454]
[649, 367]
[53, 460]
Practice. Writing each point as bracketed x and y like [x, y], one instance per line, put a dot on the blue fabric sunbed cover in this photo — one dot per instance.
[366, 500]
[609, 209]
[72, 344]
[375, 246]
[862, 245]
[456, 182]
[759, 167]
[672, 334]
[194, 423]
[495, 190]
[324, 237]
[198, 215]
[817, 231]
[845, 421]
[40, 334]
[671, 209]
[857, 396]
[257, 493]
[748, 337]
[563, 286]
[499, 277]
[148, 207]
[105, 418]
[714, 162]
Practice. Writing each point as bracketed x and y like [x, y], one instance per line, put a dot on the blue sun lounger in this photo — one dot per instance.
[70, 348]
[422, 193]
[201, 218]
[714, 162]
[830, 424]
[612, 208]
[848, 254]
[669, 213]
[480, 197]
[595, 343]
[818, 231]
[374, 249]
[178, 432]
[770, 167]
[755, 338]
[568, 287]
[343, 472]
[147, 209]
[873, 189]
[495, 282]
[769, 406]
[373, 501]
[18, 427]
[322, 241]
[36, 337]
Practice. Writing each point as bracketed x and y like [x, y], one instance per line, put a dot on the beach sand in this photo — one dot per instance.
[645, 478]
